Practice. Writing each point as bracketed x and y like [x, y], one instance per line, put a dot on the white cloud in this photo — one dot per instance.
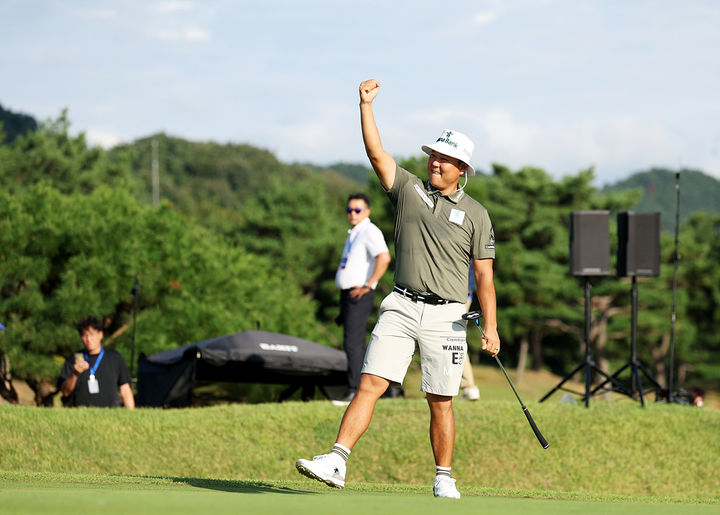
[505, 135]
[488, 12]
[485, 18]
[187, 34]
[103, 138]
[615, 146]
[173, 6]
[98, 14]
[322, 138]
[196, 34]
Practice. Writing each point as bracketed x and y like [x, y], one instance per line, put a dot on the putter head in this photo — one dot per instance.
[472, 315]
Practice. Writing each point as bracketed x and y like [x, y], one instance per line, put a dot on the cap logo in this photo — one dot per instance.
[446, 139]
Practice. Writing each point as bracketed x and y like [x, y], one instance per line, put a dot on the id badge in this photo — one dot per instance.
[93, 385]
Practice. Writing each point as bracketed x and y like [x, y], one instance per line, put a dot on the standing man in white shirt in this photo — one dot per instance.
[365, 259]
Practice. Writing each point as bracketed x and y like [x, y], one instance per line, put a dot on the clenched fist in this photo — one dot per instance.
[368, 91]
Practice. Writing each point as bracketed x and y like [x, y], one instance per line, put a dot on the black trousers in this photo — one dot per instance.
[354, 314]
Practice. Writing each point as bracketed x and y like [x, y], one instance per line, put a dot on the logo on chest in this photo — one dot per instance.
[456, 216]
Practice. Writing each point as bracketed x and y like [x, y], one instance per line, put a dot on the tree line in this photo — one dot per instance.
[243, 241]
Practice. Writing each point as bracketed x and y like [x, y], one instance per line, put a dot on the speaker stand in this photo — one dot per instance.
[636, 386]
[588, 364]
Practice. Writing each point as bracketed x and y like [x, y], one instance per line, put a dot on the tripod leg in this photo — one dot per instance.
[308, 392]
[610, 379]
[588, 377]
[564, 380]
[660, 392]
[287, 392]
[639, 387]
[649, 376]
[324, 391]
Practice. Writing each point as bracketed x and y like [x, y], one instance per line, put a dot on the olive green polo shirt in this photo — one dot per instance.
[436, 236]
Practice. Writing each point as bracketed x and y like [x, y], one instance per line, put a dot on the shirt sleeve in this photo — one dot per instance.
[375, 241]
[66, 370]
[402, 176]
[483, 238]
[123, 372]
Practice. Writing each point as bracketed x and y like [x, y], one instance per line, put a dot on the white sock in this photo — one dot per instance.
[341, 451]
[442, 471]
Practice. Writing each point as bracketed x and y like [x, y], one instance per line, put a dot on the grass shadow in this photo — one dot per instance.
[239, 486]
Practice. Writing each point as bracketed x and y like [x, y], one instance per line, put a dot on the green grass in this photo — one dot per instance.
[610, 449]
[29, 493]
[239, 458]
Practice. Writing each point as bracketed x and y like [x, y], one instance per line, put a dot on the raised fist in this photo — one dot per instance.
[369, 90]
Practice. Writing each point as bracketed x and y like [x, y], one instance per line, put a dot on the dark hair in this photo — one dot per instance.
[87, 323]
[697, 392]
[360, 196]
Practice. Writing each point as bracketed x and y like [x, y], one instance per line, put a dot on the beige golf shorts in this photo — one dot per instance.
[437, 331]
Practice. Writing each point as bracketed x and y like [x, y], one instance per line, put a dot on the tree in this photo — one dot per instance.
[698, 341]
[540, 304]
[66, 256]
[51, 154]
[13, 125]
[294, 225]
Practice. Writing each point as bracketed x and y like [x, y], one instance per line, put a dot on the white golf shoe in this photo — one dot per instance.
[445, 487]
[470, 393]
[327, 468]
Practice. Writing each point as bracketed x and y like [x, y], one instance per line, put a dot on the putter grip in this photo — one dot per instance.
[535, 429]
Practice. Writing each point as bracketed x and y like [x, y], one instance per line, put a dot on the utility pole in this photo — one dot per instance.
[155, 174]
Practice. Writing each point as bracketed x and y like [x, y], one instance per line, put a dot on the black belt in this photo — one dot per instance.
[415, 296]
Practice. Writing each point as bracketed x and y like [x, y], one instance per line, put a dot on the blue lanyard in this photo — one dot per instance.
[97, 363]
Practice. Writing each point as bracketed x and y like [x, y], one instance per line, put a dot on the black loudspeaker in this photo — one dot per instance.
[589, 243]
[638, 244]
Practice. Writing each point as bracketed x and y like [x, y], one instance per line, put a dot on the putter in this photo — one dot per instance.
[474, 316]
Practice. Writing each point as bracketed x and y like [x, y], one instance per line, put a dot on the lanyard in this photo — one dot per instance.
[352, 236]
[97, 362]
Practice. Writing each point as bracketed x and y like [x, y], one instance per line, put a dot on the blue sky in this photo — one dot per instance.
[562, 85]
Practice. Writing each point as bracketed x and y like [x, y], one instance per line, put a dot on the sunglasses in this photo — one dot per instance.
[358, 210]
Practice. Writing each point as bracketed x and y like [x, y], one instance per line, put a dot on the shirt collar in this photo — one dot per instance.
[454, 197]
[352, 229]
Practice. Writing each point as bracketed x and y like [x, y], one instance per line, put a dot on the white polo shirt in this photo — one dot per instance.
[362, 246]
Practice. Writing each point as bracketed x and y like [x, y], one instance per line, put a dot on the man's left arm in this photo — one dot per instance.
[382, 261]
[126, 395]
[125, 379]
[483, 271]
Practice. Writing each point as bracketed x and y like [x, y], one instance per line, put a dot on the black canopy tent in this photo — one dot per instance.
[167, 378]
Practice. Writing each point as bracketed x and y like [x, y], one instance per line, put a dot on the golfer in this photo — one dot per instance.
[439, 231]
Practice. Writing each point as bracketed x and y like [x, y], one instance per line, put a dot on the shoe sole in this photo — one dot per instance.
[309, 473]
[446, 496]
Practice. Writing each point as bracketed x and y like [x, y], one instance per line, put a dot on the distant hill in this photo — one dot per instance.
[698, 193]
[356, 172]
[223, 174]
[209, 173]
[15, 124]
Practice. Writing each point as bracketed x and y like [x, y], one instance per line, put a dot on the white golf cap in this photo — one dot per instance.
[454, 144]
